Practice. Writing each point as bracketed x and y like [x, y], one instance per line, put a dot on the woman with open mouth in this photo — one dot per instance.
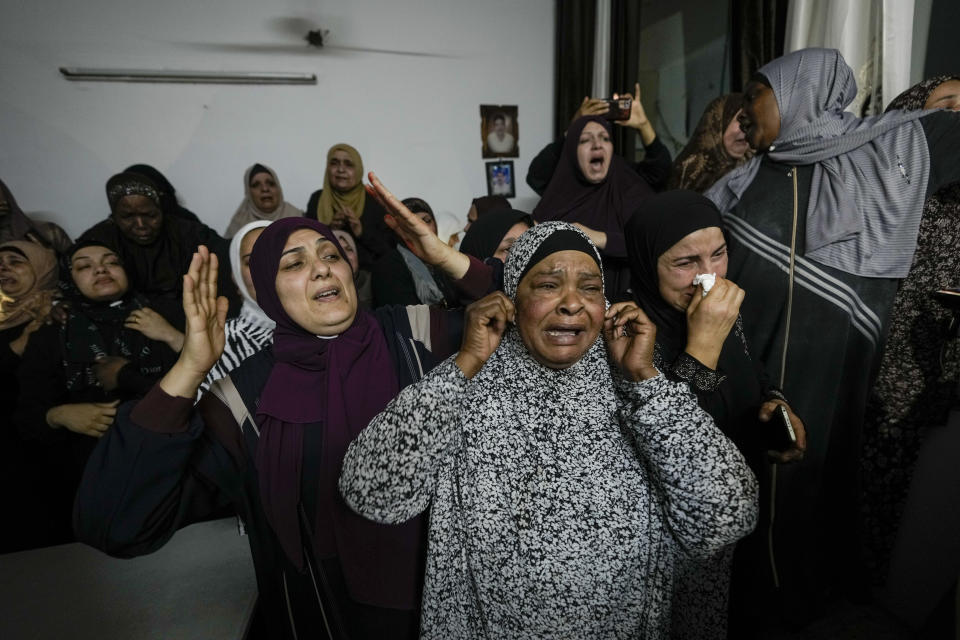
[822, 226]
[565, 476]
[28, 285]
[262, 200]
[597, 191]
[268, 438]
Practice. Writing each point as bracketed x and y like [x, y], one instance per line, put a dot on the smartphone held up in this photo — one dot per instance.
[619, 108]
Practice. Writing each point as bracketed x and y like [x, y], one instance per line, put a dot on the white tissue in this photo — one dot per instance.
[705, 280]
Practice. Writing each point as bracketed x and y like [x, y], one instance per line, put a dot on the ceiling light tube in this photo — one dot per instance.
[90, 74]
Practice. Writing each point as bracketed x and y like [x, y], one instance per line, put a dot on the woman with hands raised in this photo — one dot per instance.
[549, 456]
[268, 438]
[700, 342]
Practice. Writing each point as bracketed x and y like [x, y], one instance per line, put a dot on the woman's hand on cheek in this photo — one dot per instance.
[485, 323]
[630, 338]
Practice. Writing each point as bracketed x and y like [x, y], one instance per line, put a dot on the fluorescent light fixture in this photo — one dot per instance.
[194, 77]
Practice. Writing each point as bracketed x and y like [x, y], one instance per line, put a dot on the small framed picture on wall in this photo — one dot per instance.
[500, 179]
[499, 130]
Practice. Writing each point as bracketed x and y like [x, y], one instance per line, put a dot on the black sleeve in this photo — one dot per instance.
[656, 166]
[42, 385]
[392, 283]
[142, 484]
[543, 165]
[9, 361]
[377, 239]
[943, 139]
[311, 210]
[133, 383]
[225, 284]
[103, 231]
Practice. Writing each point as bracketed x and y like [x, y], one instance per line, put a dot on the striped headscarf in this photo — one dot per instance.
[869, 176]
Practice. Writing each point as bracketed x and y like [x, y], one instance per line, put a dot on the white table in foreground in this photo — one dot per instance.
[200, 585]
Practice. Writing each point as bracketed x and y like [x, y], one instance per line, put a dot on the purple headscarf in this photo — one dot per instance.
[337, 385]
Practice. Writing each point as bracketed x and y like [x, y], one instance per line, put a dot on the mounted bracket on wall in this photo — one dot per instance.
[89, 74]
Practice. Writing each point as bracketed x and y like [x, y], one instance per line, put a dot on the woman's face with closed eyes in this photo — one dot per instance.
[945, 96]
[315, 284]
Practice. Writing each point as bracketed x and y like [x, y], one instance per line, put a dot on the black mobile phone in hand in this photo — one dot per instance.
[782, 436]
[619, 108]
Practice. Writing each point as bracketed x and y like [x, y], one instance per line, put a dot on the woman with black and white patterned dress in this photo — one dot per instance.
[564, 474]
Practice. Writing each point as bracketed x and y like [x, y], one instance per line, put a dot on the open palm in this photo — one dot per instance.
[206, 314]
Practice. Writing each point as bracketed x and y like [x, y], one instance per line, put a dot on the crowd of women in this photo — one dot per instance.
[637, 411]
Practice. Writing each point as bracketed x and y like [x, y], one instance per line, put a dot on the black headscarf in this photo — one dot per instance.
[157, 269]
[668, 218]
[96, 329]
[605, 206]
[489, 204]
[485, 235]
[168, 194]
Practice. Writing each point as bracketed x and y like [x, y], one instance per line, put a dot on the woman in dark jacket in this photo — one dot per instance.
[28, 282]
[400, 277]
[823, 224]
[700, 341]
[155, 247]
[269, 437]
[111, 348]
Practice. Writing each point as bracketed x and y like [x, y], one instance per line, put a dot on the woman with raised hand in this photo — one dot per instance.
[268, 439]
[598, 191]
[564, 475]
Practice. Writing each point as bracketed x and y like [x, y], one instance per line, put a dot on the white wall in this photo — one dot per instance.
[414, 119]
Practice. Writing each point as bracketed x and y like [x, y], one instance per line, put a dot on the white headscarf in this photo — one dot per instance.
[250, 310]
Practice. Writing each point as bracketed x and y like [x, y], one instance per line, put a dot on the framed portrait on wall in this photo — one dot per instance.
[500, 179]
[499, 131]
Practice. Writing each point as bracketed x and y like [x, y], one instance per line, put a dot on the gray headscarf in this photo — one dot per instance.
[869, 176]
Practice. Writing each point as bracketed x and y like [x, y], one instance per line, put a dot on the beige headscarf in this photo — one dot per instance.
[34, 304]
[331, 200]
[248, 212]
